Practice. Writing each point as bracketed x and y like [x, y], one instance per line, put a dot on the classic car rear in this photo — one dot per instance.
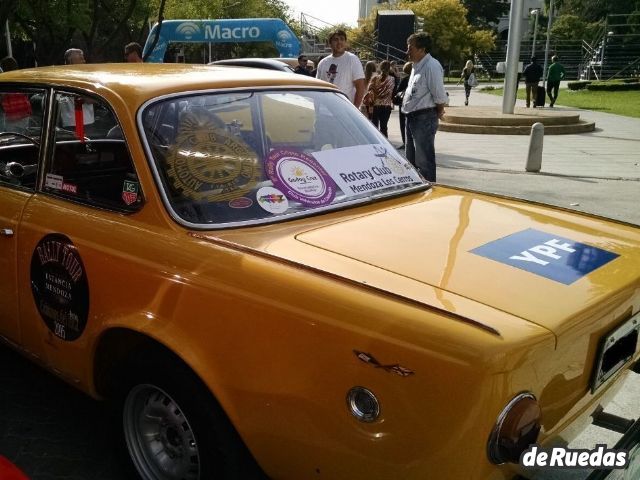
[265, 287]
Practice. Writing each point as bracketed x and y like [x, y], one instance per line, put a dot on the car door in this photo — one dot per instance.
[72, 229]
[21, 120]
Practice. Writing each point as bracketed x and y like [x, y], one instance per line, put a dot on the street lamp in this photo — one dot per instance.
[535, 12]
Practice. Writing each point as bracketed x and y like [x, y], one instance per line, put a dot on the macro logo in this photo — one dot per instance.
[188, 29]
[283, 38]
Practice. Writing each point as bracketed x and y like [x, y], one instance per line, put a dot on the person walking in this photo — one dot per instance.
[468, 79]
[382, 87]
[343, 68]
[133, 53]
[532, 75]
[554, 76]
[366, 107]
[399, 96]
[423, 104]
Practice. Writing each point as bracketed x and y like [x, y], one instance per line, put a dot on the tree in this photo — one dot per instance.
[485, 13]
[596, 10]
[572, 27]
[446, 22]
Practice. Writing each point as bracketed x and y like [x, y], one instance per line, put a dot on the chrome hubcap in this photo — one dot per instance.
[159, 438]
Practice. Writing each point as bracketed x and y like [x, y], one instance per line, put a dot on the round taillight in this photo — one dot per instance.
[363, 404]
[517, 427]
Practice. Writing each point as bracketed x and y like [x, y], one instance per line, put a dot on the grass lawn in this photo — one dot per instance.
[621, 103]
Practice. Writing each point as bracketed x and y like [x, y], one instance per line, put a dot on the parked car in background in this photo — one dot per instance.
[264, 287]
[267, 63]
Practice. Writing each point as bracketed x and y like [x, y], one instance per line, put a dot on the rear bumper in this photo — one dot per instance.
[613, 422]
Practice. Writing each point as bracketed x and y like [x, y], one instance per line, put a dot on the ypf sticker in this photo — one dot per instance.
[548, 255]
[59, 285]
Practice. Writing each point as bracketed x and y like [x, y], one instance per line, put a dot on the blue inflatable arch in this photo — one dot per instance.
[222, 31]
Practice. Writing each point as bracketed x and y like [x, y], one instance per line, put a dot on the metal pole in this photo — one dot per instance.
[513, 55]
[535, 32]
[7, 32]
[546, 47]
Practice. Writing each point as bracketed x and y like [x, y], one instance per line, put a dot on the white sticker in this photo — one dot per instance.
[272, 200]
[54, 181]
[370, 168]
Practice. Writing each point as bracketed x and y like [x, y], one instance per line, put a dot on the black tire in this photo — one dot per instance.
[174, 429]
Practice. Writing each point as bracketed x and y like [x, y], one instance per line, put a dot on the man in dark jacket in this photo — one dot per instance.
[532, 74]
[302, 66]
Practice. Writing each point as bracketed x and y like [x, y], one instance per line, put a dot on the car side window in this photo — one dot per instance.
[91, 162]
[21, 112]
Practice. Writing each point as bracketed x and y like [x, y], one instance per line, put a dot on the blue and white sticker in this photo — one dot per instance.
[551, 256]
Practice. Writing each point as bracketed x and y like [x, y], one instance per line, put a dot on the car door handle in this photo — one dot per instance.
[6, 232]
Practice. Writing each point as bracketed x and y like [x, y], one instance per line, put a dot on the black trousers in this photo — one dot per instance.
[553, 87]
[380, 118]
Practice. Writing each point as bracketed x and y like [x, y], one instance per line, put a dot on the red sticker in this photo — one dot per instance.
[241, 202]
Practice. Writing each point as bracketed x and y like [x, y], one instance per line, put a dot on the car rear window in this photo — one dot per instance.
[233, 158]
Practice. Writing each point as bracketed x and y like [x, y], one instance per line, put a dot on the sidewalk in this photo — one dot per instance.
[596, 172]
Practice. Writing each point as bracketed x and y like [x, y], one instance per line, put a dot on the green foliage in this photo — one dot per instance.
[102, 27]
[579, 85]
[485, 13]
[597, 10]
[613, 86]
[572, 27]
[446, 22]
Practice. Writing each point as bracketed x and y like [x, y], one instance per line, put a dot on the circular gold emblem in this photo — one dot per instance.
[209, 163]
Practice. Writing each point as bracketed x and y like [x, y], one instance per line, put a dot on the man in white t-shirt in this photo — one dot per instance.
[343, 68]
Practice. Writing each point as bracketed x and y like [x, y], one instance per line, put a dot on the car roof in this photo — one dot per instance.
[267, 63]
[135, 83]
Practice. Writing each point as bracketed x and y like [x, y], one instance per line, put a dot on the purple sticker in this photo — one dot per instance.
[300, 177]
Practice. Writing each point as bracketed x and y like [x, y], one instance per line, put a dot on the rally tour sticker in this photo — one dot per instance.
[272, 200]
[300, 177]
[59, 286]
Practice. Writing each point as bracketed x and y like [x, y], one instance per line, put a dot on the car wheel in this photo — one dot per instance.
[174, 429]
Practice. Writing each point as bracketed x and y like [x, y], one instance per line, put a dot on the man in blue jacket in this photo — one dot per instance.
[532, 75]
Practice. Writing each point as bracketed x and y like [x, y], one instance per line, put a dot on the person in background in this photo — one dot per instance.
[366, 107]
[343, 68]
[423, 104]
[74, 56]
[532, 74]
[133, 53]
[554, 76]
[15, 107]
[382, 87]
[302, 68]
[399, 95]
[468, 69]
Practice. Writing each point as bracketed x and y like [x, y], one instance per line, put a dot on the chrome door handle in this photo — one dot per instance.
[7, 232]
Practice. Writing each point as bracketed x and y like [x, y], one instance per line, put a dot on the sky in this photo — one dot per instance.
[331, 11]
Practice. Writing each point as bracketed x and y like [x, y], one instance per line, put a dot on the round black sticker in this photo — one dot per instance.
[59, 286]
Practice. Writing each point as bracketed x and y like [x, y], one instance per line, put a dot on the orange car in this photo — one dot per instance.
[246, 267]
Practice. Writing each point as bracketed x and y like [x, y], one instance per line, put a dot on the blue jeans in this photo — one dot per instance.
[420, 136]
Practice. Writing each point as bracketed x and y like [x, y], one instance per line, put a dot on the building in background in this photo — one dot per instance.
[367, 5]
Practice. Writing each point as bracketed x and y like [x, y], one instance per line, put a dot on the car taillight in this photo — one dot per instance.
[517, 427]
